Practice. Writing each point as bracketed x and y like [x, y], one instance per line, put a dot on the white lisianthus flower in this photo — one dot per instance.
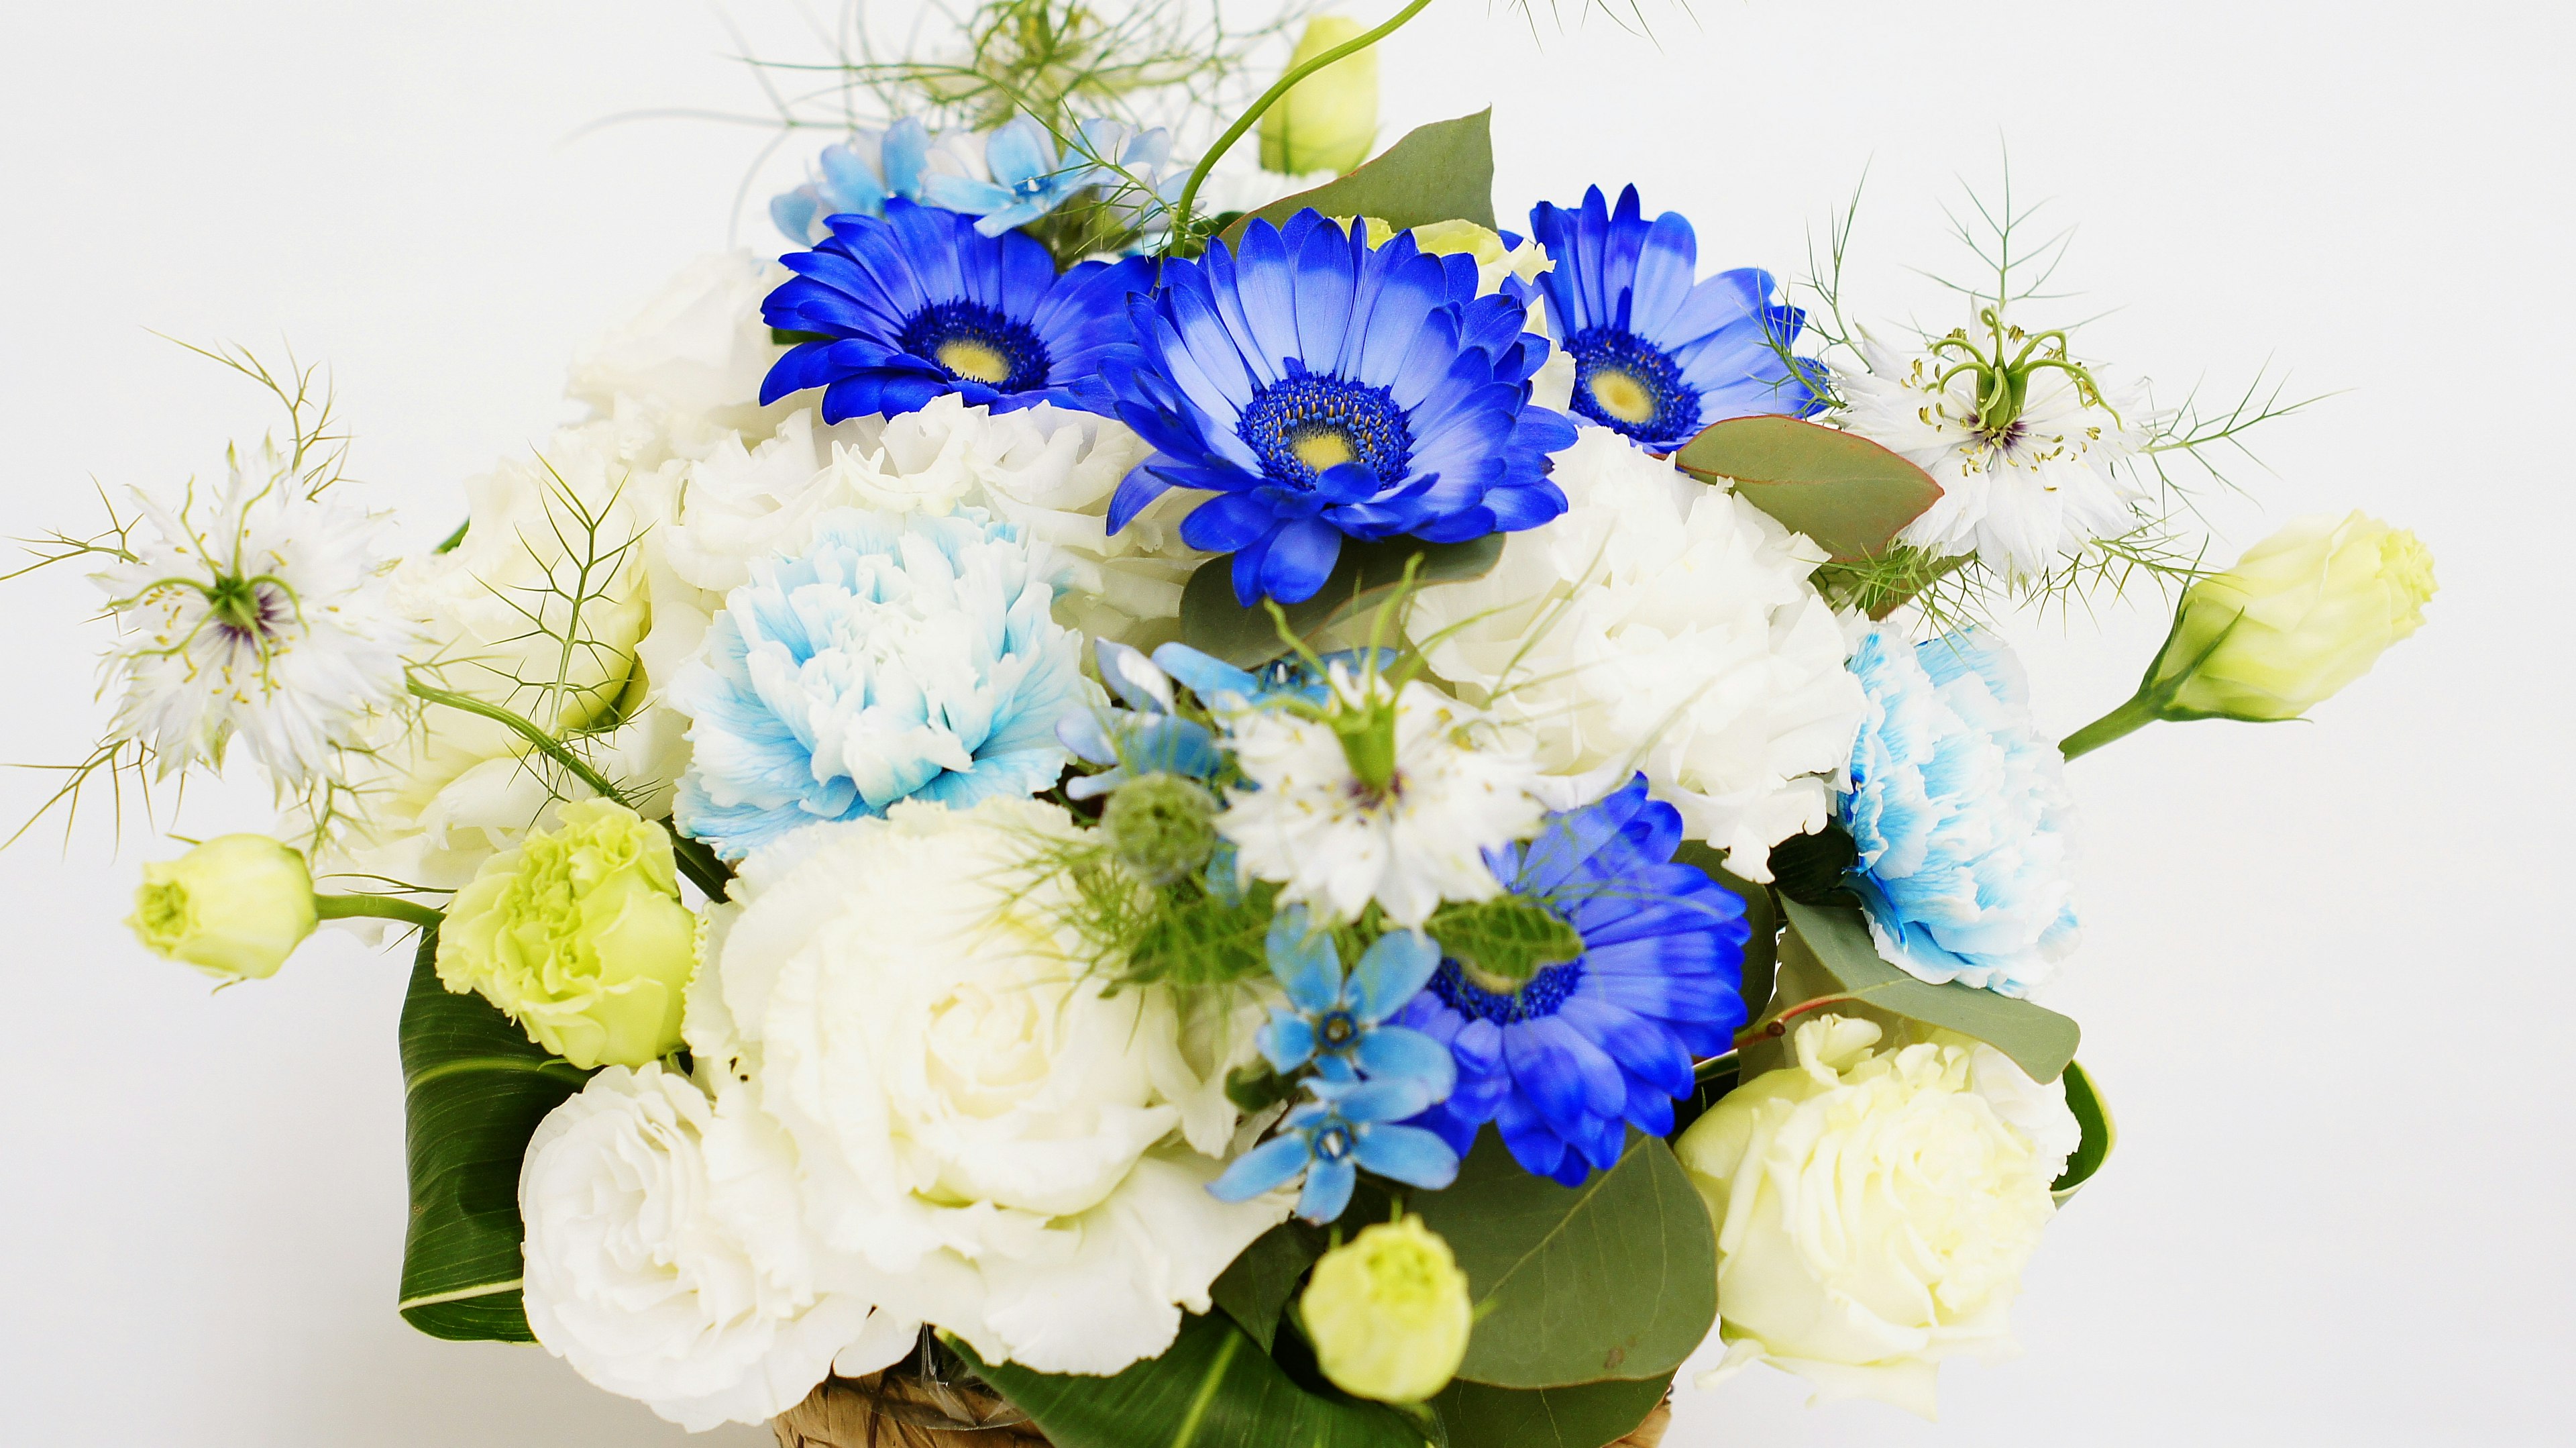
[1021, 1154]
[1661, 625]
[692, 359]
[1874, 1208]
[2020, 496]
[667, 1259]
[265, 619]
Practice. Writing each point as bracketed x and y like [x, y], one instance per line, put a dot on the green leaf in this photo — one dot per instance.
[1507, 936]
[474, 1091]
[1440, 172]
[1479, 1415]
[1368, 573]
[1616, 1278]
[1255, 1289]
[1827, 953]
[2100, 1134]
[1212, 1388]
[1847, 493]
[1205, 941]
[782, 337]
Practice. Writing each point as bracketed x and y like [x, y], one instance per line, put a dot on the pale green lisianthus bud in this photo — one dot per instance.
[2303, 613]
[1388, 1313]
[1328, 121]
[579, 936]
[234, 907]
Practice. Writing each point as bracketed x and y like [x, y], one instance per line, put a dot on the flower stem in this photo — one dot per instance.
[1269, 98]
[382, 907]
[2129, 718]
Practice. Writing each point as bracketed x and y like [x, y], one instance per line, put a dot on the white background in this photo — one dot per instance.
[2326, 975]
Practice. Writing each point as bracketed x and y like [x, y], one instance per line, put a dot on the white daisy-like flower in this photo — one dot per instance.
[266, 621]
[1393, 795]
[2020, 486]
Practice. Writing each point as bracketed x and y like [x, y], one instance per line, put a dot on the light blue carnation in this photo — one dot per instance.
[896, 657]
[1960, 811]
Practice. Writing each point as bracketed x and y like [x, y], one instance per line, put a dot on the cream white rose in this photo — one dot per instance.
[1020, 1153]
[667, 1260]
[1875, 1208]
[693, 357]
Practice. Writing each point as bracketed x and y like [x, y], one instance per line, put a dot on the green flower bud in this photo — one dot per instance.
[2303, 613]
[234, 907]
[579, 936]
[1328, 121]
[1160, 826]
[1388, 1313]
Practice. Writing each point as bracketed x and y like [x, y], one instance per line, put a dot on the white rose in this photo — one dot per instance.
[1874, 1209]
[666, 1259]
[1022, 1154]
[1660, 625]
[694, 356]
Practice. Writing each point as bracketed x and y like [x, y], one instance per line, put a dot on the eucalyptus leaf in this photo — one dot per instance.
[2100, 1133]
[1479, 1415]
[474, 1089]
[1365, 578]
[1254, 1289]
[1212, 1388]
[1440, 172]
[1847, 493]
[1509, 937]
[1616, 1278]
[1827, 953]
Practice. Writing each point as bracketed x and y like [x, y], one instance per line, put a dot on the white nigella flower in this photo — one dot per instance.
[266, 621]
[2023, 442]
[1387, 793]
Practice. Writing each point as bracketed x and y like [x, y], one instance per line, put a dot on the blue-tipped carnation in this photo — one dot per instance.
[1658, 356]
[1327, 389]
[917, 303]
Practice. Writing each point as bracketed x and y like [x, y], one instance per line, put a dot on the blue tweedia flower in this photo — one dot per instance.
[1324, 389]
[1960, 812]
[1031, 177]
[917, 303]
[1564, 1063]
[1658, 356]
[1146, 737]
[855, 178]
[1336, 1023]
[896, 657]
[1347, 1126]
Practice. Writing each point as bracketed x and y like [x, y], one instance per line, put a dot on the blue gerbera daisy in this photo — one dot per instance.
[1325, 389]
[918, 303]
[1566, 1061]
[1658, 356]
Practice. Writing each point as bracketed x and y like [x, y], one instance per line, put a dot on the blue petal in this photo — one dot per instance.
[1305, 960]
[1407, 1154]
[1287, 1041]
[1395, 1052]
[1328, 1190]
[1392, 971]
[1266, 1167]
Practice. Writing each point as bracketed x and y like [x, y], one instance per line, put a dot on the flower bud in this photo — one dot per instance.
[1388, 1313]
[1160, 826]
[2303, 613]
[1328, 121]
[234, 907]
[579, 936]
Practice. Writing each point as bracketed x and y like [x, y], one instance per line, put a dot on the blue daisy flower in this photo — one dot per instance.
[1348, 1126]
[1325, 389]
[918, 303]
[1658, 356]
[1565, 1062]
[855, 178]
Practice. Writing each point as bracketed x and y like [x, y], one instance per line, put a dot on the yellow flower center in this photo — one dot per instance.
[977, 361]
[1322, 448]
[1622, 395]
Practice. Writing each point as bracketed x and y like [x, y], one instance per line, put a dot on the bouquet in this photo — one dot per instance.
[1214, 801]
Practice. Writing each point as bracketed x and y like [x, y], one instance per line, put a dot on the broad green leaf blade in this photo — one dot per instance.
[1847, 493]
[1827, 952]
[1479, 1415]
[474, 1091]
[1367, 575]
[1213, 1388]
[2100, 1133]
[1255, 1288]
[1616, 1278]
[1507, 936]
[1440, 172]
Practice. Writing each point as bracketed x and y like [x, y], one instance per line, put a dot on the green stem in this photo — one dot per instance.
[382, 907]
[2128, 719]
[1269, 98]
[546, 744]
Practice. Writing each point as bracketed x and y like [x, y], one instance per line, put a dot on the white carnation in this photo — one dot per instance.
[667, 1259]
[1660, 625]
[693, 357]
[1020, 1153]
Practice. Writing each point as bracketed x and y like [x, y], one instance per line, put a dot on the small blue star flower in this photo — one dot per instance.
[1330, 1138]
[1327, 389]
[1335, 1022]
[855, 178]
[1146, 737]
[1658, 356]
[918, 303]
[1031, 177]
